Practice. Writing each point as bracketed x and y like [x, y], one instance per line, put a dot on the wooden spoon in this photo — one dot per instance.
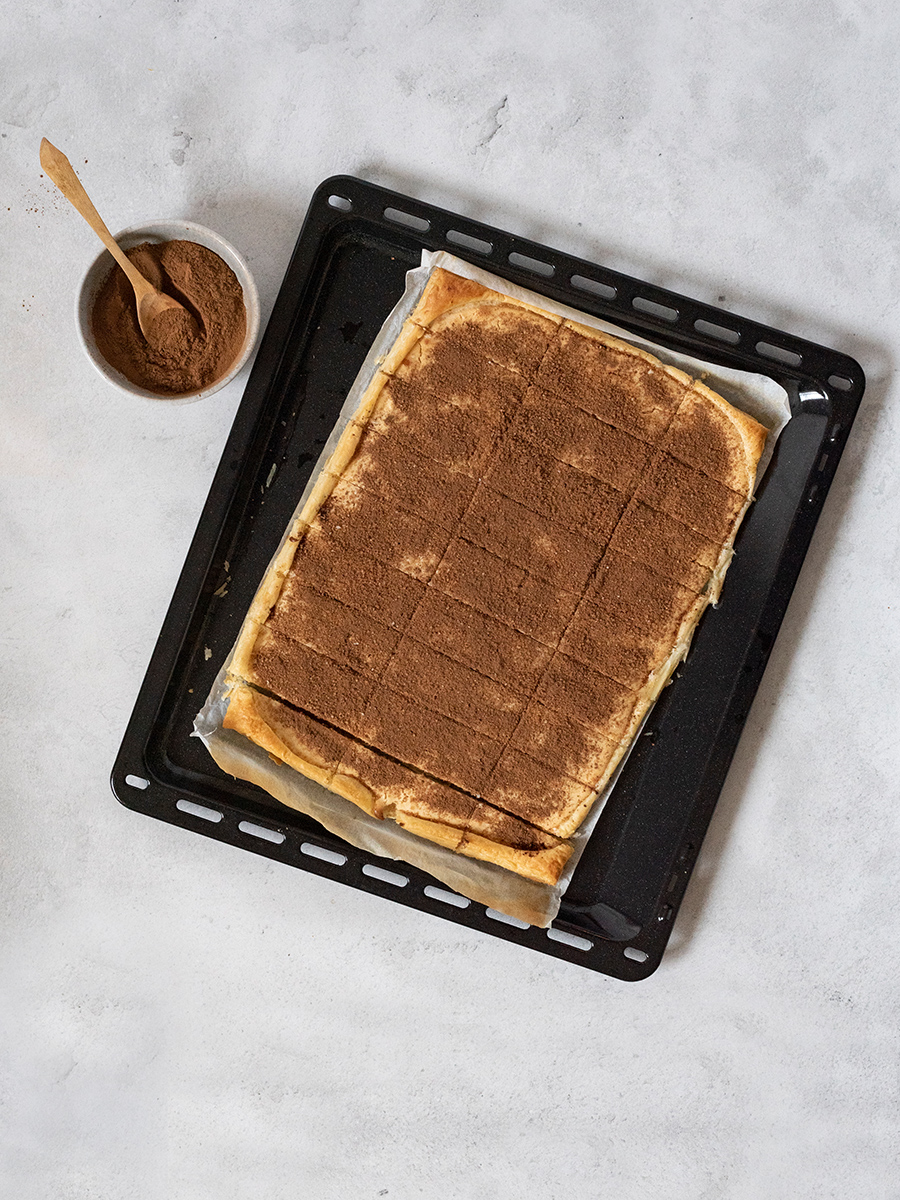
[151, 303]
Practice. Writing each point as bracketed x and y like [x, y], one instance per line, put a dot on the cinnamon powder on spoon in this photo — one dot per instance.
[176, 359]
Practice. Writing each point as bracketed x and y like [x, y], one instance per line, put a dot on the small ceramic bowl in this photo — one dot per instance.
[165, 231]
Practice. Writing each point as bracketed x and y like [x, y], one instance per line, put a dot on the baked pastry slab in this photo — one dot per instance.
[494, 576]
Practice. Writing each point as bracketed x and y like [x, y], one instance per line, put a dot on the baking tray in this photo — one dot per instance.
[346, 273]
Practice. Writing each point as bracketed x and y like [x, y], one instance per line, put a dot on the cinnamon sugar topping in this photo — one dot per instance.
[526, 530]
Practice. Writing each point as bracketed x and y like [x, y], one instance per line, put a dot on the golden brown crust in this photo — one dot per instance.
[446, 294]
[443, 293]
[542, 866]
[245, 714]
[438, 832]
[414, 802]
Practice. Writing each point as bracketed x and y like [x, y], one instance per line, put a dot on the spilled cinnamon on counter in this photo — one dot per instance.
[177, 359]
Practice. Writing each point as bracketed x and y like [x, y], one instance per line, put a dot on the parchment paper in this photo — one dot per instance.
[536, 904]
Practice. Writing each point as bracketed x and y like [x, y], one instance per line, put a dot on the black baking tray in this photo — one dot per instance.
[346, 273]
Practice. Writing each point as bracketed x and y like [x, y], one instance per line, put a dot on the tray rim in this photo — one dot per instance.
[812, 392]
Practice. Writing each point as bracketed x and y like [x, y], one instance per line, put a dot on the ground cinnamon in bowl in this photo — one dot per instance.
[177, 360]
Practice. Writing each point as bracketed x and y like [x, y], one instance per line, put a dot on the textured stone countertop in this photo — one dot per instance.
[182, 1019]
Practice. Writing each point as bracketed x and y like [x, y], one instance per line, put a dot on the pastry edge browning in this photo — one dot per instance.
[243, 716]
[542, 866]
[447, 294]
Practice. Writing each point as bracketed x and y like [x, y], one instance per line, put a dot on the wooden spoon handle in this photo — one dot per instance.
[59, 169]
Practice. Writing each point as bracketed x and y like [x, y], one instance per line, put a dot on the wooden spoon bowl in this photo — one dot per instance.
[156, 231]
[151, 303]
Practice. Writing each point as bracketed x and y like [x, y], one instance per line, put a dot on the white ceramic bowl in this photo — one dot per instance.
[165, 231]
